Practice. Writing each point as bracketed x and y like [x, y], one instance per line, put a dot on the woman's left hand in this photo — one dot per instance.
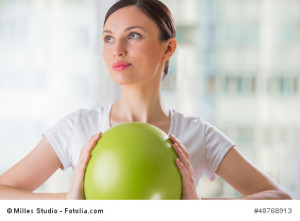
[186, 170]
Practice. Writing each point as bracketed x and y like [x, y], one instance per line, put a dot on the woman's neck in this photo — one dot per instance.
[140, 105]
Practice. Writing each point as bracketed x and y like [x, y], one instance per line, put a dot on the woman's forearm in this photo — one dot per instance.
[11, 193]
[268, 195]
[264, 195]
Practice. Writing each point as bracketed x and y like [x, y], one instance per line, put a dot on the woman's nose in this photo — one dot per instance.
[120, 49]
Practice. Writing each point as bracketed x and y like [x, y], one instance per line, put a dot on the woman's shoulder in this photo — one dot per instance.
[98, 111]
[185, 123]
[87, 117]
[186, 118]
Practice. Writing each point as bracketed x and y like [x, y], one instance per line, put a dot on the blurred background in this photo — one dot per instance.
[237, 65]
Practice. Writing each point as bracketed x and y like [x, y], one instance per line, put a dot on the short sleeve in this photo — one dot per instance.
[61, 136]
[217, 145]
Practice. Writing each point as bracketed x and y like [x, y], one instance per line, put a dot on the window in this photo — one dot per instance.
[283, 86]
[245, 136]
[289, 33]
[238, 85]
[245, 10]
[240, 34]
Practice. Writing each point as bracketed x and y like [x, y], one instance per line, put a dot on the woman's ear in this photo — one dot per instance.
[170, 47]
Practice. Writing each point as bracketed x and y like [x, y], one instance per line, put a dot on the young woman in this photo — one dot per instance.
[139, 40]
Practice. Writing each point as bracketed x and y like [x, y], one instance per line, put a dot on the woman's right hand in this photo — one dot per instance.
[76, 191]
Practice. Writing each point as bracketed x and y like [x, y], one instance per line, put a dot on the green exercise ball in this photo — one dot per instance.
[133, 161]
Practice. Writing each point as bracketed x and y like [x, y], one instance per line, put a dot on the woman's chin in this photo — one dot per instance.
[123, 79]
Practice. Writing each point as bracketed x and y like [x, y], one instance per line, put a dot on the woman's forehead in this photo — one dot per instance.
[128, 17]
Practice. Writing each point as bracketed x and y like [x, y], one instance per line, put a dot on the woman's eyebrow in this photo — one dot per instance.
[133, 27]
[126, 29]
[107, 31]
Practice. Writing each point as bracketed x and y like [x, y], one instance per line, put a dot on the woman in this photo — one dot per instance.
[139, 40]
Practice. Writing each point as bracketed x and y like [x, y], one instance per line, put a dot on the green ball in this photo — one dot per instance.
[133, 161]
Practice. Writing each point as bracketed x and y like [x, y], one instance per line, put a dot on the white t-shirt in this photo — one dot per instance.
[206, 144]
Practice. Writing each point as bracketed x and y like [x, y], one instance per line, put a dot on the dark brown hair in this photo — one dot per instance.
[155, 10]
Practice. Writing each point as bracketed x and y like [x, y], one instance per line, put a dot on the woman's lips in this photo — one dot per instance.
[120, 65]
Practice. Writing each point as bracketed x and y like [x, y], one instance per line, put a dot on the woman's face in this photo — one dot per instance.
[132, 49]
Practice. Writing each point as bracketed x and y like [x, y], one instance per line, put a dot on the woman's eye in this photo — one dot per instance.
[108, 39]
[134, 36]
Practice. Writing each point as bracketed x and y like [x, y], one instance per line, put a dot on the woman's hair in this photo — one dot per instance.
[155, 10]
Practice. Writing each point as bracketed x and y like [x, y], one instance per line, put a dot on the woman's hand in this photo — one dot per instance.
[186, 170]
[76, 191]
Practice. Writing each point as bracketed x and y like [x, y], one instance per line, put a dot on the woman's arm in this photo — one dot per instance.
[28, 174]
[247, 179]
[236, 170]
